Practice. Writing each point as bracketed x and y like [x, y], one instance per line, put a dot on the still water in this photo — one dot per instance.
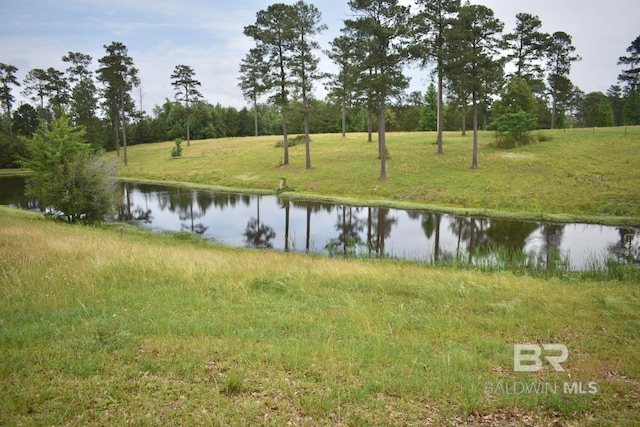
[340, 230]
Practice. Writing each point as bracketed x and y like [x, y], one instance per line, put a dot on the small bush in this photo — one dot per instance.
[177, 150]
[184, 235]
[296, 140]
[513, 129]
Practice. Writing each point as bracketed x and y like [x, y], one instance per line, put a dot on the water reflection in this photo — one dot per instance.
[268, 222]
[257, 234]
[12, 194]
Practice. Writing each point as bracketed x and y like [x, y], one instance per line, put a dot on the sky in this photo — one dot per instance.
[208, 36]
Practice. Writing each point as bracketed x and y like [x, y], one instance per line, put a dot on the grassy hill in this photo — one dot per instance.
[574, 174]
[113, 325]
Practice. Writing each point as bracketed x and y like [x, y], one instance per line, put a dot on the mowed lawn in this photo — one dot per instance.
[111, 325]
[579, 172]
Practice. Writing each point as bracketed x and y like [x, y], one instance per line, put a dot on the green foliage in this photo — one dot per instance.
[176, 151]
[515, 97]
[12, 149]
[631, 109]
[66, 177]
[596, 110]
[513, 129]
[25, 120]
[631, 75]
[292, 142]
[429, 111]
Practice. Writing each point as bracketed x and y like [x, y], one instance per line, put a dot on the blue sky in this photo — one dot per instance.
[207, 35]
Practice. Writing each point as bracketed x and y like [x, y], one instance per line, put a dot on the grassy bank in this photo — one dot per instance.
[578, 174]
[114, 325]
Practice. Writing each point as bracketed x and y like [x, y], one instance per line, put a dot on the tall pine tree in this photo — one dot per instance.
[385, 25]
[119, 76]
[185, 86]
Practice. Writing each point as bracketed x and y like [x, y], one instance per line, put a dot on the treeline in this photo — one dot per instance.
[464, 46]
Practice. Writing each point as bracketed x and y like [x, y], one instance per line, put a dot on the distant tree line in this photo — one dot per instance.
[480, 73]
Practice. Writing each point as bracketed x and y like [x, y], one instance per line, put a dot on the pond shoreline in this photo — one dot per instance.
[554, 218]
[622, 221]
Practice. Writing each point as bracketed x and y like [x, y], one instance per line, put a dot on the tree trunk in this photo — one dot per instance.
[308, 239]
[369, 231]
[286, 226]
[115, 129]
[344, 117]
[554, 106]
[305, 102]
[440, 126]
[437, 239]
[474, 164]
[124, 128]
[381, 231]
[370, 129]
[344, 231]
[255, 114]
[188, 123]
[472, 235]
[381, 137]
[283, 94]
[484, 118]
[9, 118]
[285, 138]
[44, 121]
[464, 119]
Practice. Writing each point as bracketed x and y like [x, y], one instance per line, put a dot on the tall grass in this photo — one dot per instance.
[101, 327]
[503, 260]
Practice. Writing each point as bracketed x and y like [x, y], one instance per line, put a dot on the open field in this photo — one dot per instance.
[574, 175]
[114, 325]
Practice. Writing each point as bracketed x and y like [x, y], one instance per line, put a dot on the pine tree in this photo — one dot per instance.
[185, 85]
[473, 46]
[631, 76]
[560, 56]
[274, 36]
[385, 25]
[433, 20]
[304, 64]
[119, 76]
[8, 79]
[252, 72]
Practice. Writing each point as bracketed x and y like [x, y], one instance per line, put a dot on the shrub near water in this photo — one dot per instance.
[66, 177]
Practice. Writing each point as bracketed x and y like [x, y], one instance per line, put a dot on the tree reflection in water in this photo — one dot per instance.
[362, 231]
[258, 235]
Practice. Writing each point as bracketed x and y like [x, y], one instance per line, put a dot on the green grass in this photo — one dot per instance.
[114, 325]
[577, 174]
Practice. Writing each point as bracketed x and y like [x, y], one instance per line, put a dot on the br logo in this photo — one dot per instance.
[528, 357]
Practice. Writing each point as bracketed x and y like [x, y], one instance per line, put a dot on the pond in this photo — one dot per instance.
[341, 230]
